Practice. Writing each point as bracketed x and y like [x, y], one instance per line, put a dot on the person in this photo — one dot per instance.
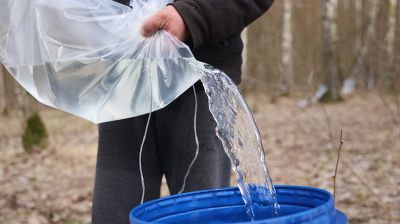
[211, 28]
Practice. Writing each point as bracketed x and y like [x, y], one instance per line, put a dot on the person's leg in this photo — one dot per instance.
[118, 186]
[175, 130]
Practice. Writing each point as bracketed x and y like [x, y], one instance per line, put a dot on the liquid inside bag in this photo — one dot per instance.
[87, 57]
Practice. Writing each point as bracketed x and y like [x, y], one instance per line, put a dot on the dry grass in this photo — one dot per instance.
[302, 150]
[55, 185]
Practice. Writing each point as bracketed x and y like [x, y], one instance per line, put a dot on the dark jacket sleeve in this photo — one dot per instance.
[211, 21]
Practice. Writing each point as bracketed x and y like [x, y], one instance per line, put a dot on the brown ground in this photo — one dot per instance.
[54, 185]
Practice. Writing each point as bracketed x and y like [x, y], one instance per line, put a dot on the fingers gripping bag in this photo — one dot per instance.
[88, 58]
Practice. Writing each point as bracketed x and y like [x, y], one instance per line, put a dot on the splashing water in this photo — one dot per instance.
[237, 130]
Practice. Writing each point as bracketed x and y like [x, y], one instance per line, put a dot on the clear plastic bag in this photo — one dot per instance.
[87, 57]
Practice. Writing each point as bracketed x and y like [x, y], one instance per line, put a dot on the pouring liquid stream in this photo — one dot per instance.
[237, 130]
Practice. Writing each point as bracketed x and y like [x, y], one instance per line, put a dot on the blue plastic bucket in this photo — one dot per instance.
[298, 205]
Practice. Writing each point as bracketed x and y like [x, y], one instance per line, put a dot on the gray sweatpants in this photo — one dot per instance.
[169, 148]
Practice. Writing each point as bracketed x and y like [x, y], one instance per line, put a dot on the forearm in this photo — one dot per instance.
[211, 21]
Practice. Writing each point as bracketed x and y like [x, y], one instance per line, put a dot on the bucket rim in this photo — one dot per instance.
[324, 208]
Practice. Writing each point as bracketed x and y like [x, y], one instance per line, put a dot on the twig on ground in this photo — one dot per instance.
[337, 165]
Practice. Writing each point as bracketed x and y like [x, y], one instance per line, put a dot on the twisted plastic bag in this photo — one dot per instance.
[87, 57]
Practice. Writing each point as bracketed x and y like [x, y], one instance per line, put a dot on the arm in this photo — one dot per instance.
[205, 21]
[211, 21]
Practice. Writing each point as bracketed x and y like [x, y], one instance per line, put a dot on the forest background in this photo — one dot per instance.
[311, 69]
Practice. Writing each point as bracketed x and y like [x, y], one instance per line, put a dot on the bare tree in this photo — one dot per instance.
[329, 32]
[2, 91]
[378, 44]
[287, 49]
[358, 4]
[244, 56]
[356, 42]
[11, 93]
[370, 36]
[346, 4]
[396, 61]
[364, 41]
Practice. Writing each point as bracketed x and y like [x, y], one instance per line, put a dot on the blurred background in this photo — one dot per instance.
[312, 68]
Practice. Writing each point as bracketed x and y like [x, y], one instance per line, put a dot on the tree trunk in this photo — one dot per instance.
[245, 58]
[16, 100]
[11, 93]
[370, 40]
[364, 39]
[2, 90]
[396, 61]
[263, 57]
[358, 4]
[346, 4]
[287, 49]
[329, 32]
[378, 54]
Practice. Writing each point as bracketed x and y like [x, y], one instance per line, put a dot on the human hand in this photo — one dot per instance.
[167, 19]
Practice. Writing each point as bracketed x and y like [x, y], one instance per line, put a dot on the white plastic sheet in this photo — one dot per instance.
[87, 57]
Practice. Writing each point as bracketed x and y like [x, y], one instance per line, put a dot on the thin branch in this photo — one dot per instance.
[337, 165]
